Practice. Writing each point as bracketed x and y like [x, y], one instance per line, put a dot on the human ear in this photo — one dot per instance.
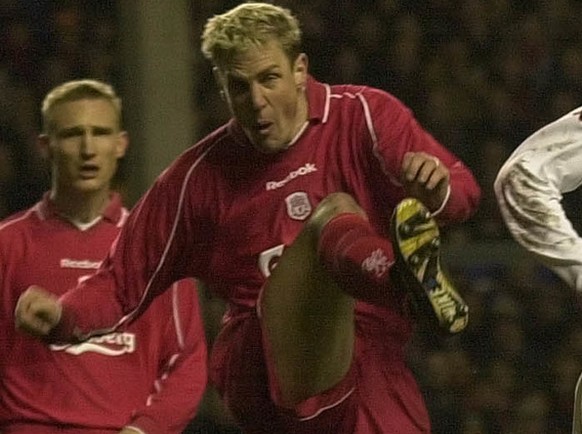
[300, 71]
[43, 146]
[218, 77]
[122, 144]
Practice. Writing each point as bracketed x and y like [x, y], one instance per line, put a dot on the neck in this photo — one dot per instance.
[302, 115]
[80, 207]
[303, 108]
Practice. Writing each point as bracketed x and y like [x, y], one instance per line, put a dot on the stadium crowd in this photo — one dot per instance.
[481, 75]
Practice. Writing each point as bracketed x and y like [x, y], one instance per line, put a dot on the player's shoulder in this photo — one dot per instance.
[355, 91]
[16, 231]
[370, 100]
[18, 222]
[573, 117]
[562, 136]
[560, 129]
[196, 157]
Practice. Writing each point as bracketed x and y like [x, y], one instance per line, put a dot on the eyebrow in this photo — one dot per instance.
[232, 74]
[78, 130]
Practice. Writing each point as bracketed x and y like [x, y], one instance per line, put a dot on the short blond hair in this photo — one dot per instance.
[250, 25]
[75, 90]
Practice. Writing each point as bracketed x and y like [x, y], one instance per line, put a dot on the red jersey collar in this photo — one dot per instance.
[113, 212]
[318, 96]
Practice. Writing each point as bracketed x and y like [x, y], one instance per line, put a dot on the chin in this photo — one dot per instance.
[89, 186]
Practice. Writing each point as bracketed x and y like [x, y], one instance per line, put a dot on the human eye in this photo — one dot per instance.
[237, 86]
[270, 78]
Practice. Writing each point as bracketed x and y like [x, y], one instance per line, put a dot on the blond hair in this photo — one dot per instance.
[74, 91]
[249, 25]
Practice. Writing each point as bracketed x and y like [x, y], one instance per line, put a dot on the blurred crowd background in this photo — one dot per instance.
[480, 75]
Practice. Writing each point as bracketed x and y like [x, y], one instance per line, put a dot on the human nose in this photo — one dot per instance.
[257, 96]
[87, 145]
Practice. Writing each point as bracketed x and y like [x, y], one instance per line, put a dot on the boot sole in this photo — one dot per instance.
[416, 239]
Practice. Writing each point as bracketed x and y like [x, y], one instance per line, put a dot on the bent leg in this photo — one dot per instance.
[308, 320]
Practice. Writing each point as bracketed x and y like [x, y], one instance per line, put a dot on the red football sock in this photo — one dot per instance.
[357, 257]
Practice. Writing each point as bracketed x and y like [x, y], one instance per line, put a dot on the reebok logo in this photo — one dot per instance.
[84, 264]
[304, 170]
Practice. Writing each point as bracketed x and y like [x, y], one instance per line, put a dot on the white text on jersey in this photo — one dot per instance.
[303, 170]
[84, 264]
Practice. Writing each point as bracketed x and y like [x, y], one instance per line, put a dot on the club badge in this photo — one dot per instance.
[298, 206]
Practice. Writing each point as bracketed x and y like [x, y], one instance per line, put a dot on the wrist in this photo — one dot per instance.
[63, 331]
[443, 203]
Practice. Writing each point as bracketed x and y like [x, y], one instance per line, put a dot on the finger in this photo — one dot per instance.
[429, 167]
[411, 165]
[420, 168]
[408, 156]
[433, 173]
[438, 176]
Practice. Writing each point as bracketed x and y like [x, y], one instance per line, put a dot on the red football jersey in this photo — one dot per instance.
[149, 374]
[224, 212]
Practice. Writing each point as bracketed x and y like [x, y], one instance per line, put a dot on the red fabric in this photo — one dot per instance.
[358, 258]
[222, 207]
[377, 396]
[104, 384]
[224, 212]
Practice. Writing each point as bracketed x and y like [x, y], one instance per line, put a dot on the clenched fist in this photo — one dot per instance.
[37, 312]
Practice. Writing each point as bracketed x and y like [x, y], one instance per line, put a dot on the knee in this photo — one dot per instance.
[331, 206]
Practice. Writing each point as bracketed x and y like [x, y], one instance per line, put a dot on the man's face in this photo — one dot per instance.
[84, 145]
[266, 94]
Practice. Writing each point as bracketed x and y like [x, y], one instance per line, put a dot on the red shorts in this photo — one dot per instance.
[378, 395]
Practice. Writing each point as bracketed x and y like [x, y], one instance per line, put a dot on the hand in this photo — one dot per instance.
[37, 312]
[425, 178]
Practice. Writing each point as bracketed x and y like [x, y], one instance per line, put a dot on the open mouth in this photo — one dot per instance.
[88, 171]
[263, 126]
